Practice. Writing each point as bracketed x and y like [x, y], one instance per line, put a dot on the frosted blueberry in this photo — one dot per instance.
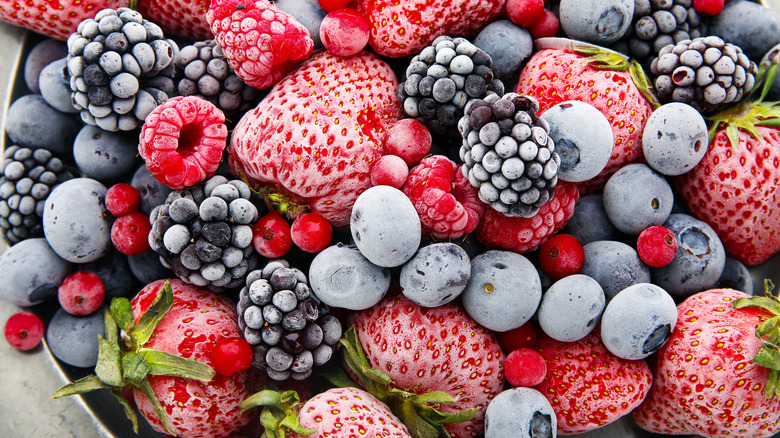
[614, 265]
[597, 21]
[436, 275]
[520, 413]
[675, 138]
[341, 276]
[571, 308]
[637, 197]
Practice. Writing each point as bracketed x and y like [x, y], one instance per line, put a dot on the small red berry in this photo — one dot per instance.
[561, 255]
[332, 5]
[709, 7]
[524, 12]
[521, 337]
[130, 233]
[311, 232]
[122, 199]
[81, 293]
[271, 235]
[231, 355]
[524, 367]
[390, 170]
[547, 26]
[24, 330]
[410, 139]
[345, 31]
[656, 246]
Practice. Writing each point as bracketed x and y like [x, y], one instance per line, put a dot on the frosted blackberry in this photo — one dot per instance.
[508, 155]
[204, 233]
[443, 78]
[28, 176]
[706, 73]
[288, 327]
[203, 71]
[121, 68]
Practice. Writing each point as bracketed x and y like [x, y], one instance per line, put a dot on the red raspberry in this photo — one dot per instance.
[446, 202]
[311, 232]
[231, 355]
[390, 170]
[24, 330]
[271, 235]
[344, 31]
[521, 337]
[81, 293]
[525, 12]
[656, 246]
[182, 141]
[561, 255]
[547, 26]
[122, 199]
[524, 367]
[409, 139]
[130, 233]
[520, 234]
[260, 42]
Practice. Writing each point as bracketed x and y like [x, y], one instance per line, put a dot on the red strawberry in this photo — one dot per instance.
[183, 18]
[520, 234]
[569, 70]
[402, 28]
[447, 204]
[587, 386]
[434, 349]
[54, 18]
[311, 143]
[705, 381]
[260, 42]
[734, 187]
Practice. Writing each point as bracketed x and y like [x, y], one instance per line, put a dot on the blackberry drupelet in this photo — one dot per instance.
[706, 73]
[289, 329]
[28, 176]
[203, 71]
[443, 78]
[508, 154]
[204, 233]
[121, 68]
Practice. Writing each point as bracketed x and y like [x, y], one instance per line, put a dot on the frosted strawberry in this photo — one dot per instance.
[402, 28]
[521, 234]
[260, 42]
[183, 18]
[54, 18]
[447, 204]
[311, 143]
[568, 70]
[710, 377]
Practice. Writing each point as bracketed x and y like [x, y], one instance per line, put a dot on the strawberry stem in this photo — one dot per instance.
[768, 356]
[279, 414]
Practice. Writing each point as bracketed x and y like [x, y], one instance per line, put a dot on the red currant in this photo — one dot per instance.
[311, 232]
[521, 337]
[344, 32]
[410, 139]
[130, 233]
[547, 26]
[656, 246]
[271, 235]
[524, 367]
[81, 293]
[524, 12]
[231, 355]
[122, 199]
[24, 330]
[561, 255]
[332, 5]
[709, 7]
[390, 170]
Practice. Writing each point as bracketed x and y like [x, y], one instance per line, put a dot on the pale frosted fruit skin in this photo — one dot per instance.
[32, 272]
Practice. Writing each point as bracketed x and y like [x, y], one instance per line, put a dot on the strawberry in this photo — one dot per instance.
[567, 70]
[260, 42]
[402, 28]
[182, 18]
[438, 350]
[587, 386]
[54, 18]
[311, 143]
[706, 380]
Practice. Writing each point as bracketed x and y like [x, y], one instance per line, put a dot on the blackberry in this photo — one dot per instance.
[204, 233]
[28, 176]
[289, 329]
[203, 71]
[443, 78]
[120, 67]
[706, 73]
[508, 154]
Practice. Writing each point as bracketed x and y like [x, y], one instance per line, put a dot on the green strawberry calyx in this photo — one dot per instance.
[124, 361]
[768, 331]
[279, 414]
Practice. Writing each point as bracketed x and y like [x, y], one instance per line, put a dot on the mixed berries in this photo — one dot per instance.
[469, 227]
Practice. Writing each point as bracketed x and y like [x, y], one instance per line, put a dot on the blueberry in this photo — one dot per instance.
[675, 139]
[699, 261]
[752, 26]
[153, 192]
[148, 268]
[637, 197]
[31, 272]
[114, 270]
[735, 276]
[638, 321]
[74, 339]
[41, 55]
[105, 155]
[507, 44]
[614, 265]
[504, 290]
[436, 275]
[596, 21]
[590, 222]
[32, 122]
[341, 276]
[520, 413]
[571, 308]
[583, 139]
[54, 83]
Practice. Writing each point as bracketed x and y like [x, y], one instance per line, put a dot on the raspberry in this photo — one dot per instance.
[81, 293]
[130, 233]
[182, 141]
[390, 170]
[561, 255]
[446, 202]
[656, 246]
[524, 367]
[24, 330]
[521, 234]
[271, 235]
[344, 32]
[232, 355]
[122, 199]
[311, 232]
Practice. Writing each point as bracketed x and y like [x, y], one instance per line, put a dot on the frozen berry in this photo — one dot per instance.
[332, 5]
[525, 12]
[182, 141]
[547, 26]
[410, 139]
[345, 31]
[24, 330]
[122, 199]
[390, 170]
[130, 233]
[709, 7]
[231, 355]
[561, 255]
[81, 293]
[521, 337]
[524, 367]
[311, 232]
[271, 235]
[656, 246]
